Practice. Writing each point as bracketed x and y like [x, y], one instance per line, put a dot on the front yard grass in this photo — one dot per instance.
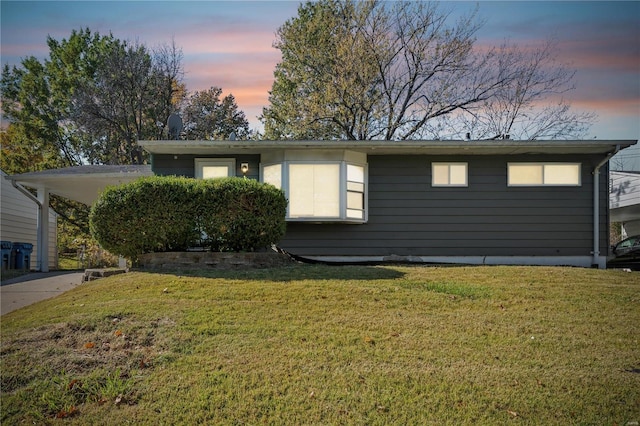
[313, 344]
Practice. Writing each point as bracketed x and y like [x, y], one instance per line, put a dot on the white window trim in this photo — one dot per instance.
[543, 164]
[230, 163]
[345, 193]
[449, 164]
[343, 216]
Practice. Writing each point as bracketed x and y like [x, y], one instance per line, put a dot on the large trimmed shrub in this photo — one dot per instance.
[171, 214]
[147, 215]
[239, 214]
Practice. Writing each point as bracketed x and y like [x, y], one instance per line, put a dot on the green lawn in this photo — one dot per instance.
[330, 345]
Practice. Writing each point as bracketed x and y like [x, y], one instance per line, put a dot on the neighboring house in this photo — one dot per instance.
[627, 160]
[624, 201]
[19, 222]
[475, 202]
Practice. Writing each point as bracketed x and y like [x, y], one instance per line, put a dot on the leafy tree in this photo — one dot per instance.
[38, 95]
[129, 99]
[374, 70]
[95, 96]
[207, 117]
[325, 85]
[37, 101]
[19, 152]
[43, 103]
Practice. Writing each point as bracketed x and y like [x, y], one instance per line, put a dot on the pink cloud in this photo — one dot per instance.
[240, 61]
[257, 41]
[608, 54]
[248, 77]
[596, 99]
[626, 107]
[25, 50]
[234, 70]
[607, 78]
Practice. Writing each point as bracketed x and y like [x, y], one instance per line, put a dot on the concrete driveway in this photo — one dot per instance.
[30, 288]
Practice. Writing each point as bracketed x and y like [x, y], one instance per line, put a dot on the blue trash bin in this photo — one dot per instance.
[23, 255]
[6, 254]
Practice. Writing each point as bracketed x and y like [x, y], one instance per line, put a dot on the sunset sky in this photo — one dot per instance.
[229, 43]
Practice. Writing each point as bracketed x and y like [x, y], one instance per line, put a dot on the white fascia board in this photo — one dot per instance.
[510, 147]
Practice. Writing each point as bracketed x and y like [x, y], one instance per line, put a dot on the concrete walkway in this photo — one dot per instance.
[33, 287]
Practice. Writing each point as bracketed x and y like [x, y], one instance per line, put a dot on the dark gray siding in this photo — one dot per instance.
[184, 165]
[407, 216]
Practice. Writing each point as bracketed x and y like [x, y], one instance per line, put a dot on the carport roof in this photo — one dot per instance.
[81, 183]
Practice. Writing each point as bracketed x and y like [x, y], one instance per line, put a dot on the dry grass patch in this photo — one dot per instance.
[331, 345]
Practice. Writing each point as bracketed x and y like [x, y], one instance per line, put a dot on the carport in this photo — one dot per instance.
[80, 183]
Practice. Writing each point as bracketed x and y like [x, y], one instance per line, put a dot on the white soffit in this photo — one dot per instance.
[81, 183]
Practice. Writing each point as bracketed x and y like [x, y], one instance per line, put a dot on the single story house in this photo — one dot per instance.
[472, 202]
[624, 201]
[19, 222]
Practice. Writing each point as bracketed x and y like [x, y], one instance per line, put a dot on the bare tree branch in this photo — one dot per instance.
[403, 70]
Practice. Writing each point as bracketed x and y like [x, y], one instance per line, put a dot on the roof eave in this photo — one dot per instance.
[508, 147]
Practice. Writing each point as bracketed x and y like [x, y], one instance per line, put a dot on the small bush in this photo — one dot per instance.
[170, 214]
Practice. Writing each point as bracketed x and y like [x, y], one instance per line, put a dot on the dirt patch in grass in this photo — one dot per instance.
[72, 363]
[115, 342]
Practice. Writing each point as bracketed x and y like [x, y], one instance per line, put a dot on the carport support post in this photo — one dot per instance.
[43, 230]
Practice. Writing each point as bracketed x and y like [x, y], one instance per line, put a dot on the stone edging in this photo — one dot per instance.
[94, 274]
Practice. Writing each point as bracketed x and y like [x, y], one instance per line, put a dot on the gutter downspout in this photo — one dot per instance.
[40, 258]
[596, 208]
[29, 195]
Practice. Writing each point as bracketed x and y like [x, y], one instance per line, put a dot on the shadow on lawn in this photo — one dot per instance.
[294, 273]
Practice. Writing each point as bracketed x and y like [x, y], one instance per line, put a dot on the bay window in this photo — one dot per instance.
[320, 187]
